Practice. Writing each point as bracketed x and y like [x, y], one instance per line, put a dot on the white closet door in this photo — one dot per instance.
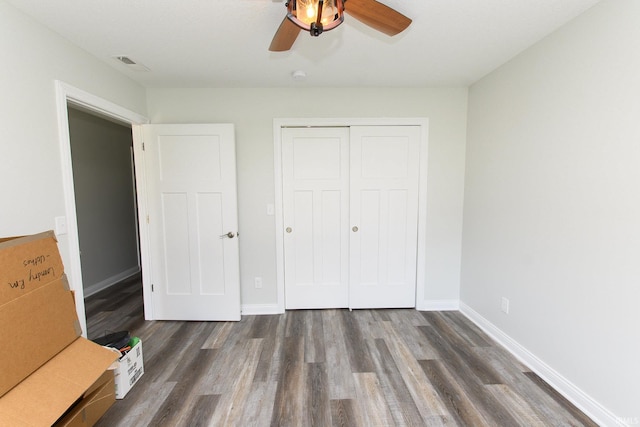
[384, 178]
[316, 217]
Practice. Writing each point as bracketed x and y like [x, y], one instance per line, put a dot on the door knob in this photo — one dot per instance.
[230, 235]
[288, 230]
[355, 229]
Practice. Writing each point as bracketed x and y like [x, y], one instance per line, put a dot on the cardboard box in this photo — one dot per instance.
[49, 392]
[28, 262]
[95, 402]
[128, 370]
[33, 290]
[46, 365]
[35, 327]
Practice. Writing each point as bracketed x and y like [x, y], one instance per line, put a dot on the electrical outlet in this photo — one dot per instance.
[258, 282]
[505, 305]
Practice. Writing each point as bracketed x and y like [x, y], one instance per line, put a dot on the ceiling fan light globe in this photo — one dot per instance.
[304, 13]
[310, 14]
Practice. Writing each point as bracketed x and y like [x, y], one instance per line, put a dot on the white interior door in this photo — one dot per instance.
[384, 178]
[315, 210]
[193, 224]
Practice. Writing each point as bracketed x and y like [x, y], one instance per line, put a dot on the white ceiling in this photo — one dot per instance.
[224, 43]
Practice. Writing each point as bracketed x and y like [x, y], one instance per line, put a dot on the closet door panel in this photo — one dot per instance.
[316, 209]
[384, 178]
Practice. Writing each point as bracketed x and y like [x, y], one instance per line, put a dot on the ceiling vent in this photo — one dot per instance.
[130, 63]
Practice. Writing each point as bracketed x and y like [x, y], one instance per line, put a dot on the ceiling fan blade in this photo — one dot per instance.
[377, 16]
[285, 36]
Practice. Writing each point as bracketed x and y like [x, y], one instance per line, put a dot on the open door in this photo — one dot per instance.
[193, 221]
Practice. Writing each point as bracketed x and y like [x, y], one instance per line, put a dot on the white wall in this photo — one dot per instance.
[31, 187]
[552, 203]
[253, 110]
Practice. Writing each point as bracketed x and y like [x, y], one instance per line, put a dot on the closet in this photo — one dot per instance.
[350, 202]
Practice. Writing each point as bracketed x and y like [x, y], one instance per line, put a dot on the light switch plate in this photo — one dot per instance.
[61, 225]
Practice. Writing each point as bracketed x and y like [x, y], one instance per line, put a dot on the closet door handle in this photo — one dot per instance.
[355, 229]
[288, 230]
[230, 235]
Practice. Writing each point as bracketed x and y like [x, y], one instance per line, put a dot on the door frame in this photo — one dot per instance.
[65, 95]
[280, 123]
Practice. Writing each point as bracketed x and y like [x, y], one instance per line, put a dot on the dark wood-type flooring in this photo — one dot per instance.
[396, 367]
[118, 308]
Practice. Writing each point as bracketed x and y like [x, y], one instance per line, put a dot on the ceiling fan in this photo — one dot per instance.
[317, 16]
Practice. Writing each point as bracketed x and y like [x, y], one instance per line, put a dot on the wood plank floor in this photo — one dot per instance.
[395, 367]
[118, 308]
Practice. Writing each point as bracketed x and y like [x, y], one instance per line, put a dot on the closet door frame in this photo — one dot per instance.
[280, 123]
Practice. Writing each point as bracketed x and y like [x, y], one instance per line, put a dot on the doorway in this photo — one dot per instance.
[105, 195]
[67, 95]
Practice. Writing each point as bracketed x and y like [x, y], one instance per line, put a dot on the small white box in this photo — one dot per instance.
[128, 370]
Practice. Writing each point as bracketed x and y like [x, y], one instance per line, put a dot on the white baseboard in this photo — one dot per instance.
[110, 281]
[439, 305]
[584, 402]
[259, 309]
